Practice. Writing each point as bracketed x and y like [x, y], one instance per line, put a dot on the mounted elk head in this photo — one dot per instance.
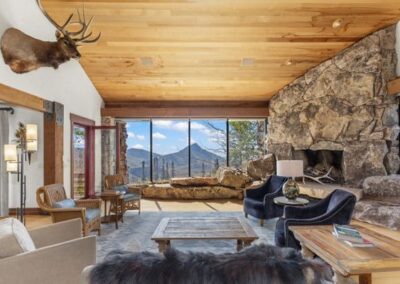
[24, 53]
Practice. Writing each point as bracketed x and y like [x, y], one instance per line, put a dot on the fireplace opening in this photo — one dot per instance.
[319, 163]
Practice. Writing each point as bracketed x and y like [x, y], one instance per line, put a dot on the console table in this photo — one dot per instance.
[349, 262]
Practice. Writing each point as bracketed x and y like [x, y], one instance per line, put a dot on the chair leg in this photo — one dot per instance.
[261, 222]
[99, 232]
[246, 215]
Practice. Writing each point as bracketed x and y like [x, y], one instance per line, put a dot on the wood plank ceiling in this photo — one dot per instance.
[217, 50]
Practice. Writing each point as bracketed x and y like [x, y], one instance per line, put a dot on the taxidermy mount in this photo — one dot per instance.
[24, 53]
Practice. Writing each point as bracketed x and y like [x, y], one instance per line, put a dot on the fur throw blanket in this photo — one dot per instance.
[254, 265]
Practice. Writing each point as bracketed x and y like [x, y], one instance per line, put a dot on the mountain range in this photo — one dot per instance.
[174, 164]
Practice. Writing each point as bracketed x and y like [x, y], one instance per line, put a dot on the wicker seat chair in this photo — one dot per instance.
[131, 197]
[49, 196]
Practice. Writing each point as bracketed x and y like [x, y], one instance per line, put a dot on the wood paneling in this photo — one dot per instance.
[185, 112]
[20, 98]
[394, 87]
[197, 46]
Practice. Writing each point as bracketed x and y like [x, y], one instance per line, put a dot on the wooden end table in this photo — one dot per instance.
[348, 262]
[218, 228]
[115, 199]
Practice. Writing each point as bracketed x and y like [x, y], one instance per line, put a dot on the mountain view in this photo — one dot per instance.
[204, 163]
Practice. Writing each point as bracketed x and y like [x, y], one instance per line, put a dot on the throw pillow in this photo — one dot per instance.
[14, 238]
[121, 188]
[66, 203]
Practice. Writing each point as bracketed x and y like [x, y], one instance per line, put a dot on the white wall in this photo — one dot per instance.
[68, 85]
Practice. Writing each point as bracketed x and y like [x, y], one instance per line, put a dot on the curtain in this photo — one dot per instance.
[4, 128]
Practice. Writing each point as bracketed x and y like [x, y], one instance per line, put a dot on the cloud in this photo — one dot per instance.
[158, 135]
[138, 146]
[171, 125]
[131, 134]
[163, 123]
[140, 137]
[180, 126]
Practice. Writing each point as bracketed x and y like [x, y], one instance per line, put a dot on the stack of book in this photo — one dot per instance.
[351, 236]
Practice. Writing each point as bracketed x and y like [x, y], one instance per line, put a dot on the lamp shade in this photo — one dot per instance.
[31, 146]
[289, 168]
[10, 152]
[31, 132]
[12, 167]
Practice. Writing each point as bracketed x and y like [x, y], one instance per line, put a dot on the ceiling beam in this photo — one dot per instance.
[394, 87]
[186, 112]
[19, 98]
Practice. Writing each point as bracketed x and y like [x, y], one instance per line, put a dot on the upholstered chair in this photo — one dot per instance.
[53, 200]
[337, 208]
[259, 201]
[130, 195]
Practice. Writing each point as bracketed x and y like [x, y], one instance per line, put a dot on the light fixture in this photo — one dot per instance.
[247, 62]
[290, 169]
[31, 132]
[15, 155]
[10, 152]
[288, 62]
[31, 146]
[12, 167]
[337, 23]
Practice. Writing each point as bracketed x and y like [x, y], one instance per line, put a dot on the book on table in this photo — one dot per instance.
[350, 235]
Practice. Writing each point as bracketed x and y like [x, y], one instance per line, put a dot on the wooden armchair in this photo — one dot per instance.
[87, 210]
[131, 198]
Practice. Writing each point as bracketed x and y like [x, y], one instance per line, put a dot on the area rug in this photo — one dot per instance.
[136, 231]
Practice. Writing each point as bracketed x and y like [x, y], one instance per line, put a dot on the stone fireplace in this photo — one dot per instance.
[340, 111]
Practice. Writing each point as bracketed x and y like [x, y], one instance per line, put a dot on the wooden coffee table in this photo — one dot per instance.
[218, 228]
[349, 262]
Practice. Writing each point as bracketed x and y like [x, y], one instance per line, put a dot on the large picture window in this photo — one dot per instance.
[160, 149]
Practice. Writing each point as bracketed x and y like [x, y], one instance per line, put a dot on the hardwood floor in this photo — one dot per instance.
[34, 221]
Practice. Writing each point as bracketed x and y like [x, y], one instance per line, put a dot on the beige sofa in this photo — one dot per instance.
[59, 256]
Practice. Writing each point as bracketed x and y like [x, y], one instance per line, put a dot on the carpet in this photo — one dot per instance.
[135, 233]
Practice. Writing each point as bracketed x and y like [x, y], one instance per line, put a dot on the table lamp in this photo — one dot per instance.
[290, 169]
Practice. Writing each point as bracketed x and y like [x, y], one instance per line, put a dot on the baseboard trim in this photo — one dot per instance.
[28, 211]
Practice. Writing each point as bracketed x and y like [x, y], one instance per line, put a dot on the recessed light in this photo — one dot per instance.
[288, 62]
[247, 62]
[146, 61]
[337, 23]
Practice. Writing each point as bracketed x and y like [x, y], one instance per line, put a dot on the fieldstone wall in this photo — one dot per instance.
[343, 105]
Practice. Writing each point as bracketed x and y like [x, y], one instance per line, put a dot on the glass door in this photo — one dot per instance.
[79, 161]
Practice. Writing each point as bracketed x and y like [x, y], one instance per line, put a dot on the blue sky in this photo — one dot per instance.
[170, 136]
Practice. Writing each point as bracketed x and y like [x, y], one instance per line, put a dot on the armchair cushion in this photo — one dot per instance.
[14, 238]
[121, 188]
[66, 203]
[92, 213]
[131, 196]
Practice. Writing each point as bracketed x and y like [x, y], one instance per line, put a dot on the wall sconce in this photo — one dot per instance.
[10, 152]
[16, 154]
[12, 167]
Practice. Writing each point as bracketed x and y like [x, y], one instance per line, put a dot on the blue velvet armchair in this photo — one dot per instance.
[337, 208]
[259, 202]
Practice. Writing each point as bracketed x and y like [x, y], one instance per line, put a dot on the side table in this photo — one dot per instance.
[115, 200]
[282, 200]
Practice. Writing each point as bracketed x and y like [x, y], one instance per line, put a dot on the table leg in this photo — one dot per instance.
[247, 243]
[163, 246]
[340, 279]
[306, 252]
[116, 214]
[239, 245]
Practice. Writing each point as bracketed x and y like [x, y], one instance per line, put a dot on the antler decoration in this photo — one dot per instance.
[318, 179]
[79, 37]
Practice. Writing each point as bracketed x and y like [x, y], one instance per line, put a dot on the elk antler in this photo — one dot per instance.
[78, 36]
[318, 179]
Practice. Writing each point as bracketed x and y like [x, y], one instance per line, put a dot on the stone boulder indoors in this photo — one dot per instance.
[194, 181]
[233, 178]
[261, 168]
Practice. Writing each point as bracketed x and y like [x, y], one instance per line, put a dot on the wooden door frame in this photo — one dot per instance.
[89, 153]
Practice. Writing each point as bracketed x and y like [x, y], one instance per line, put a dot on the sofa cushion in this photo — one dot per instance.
[66, 203]
[121, 188]
[92, 213]
[14, 238]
